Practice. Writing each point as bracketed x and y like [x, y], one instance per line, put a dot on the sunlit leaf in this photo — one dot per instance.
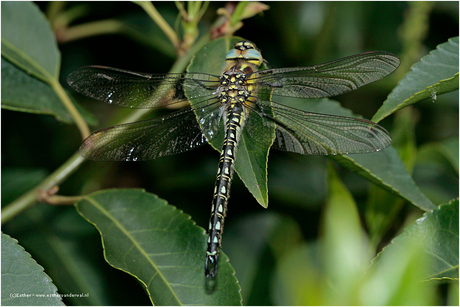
[438, 232]
[298, 280]
[395, 279]
[345, 245]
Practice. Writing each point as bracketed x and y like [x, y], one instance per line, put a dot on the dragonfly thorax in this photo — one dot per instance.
[234, 86]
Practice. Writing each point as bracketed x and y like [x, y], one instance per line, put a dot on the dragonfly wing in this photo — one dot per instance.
[320, 134]
[138, 90]
[153, 138]
[328, 79]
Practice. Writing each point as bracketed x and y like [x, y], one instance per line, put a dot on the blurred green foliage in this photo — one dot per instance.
[324, 224]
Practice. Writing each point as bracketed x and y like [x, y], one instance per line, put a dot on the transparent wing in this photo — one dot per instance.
[139, 90]
[154, 138]
[318, 134]
[328, 79]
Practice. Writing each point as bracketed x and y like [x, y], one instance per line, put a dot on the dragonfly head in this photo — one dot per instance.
[246, 51]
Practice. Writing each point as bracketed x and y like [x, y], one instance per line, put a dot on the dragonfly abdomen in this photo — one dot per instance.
[234, 124]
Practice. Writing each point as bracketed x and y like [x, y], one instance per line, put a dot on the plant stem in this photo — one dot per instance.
[100, 27]
[63, 200]
[31, 197]
[79, 121]
[412, 34]
[150, 9]
[236, 15]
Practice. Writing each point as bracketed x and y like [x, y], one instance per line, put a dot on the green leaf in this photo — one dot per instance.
[438, 233]
[452, 294]
[23, 281]
[24, 93]
[299, 278]
[344, 239]
[345, 244]
[251, 157]
[395, 280]
[59, 239]
[160, 246]
[28, 41]
[386, 170]
[435, 74]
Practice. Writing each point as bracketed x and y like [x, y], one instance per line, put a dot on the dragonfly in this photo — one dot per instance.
[225, 105]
